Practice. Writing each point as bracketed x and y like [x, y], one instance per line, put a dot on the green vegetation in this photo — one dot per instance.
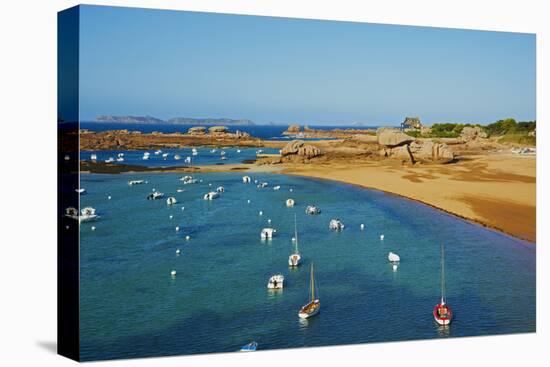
[508, 130]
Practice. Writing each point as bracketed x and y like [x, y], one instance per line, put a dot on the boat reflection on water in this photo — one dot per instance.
[443, 331]
[304, 323]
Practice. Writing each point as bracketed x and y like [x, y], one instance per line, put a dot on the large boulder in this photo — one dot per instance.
[301, 149]
[430, 151]
[197, 130]
[218, 130]
[470, 133]
[392, 137]
[241, 134]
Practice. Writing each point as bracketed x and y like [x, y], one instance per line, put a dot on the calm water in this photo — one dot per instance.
[132, 307]
[205, 156]
[260, 131]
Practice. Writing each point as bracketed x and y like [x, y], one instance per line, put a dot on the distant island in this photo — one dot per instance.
[173, 121]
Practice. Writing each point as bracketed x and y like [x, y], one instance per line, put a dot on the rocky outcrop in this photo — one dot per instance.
[392, 137]
[429, 151]
[218, 130]
[292, 129]
[241, 135]
[470, 133]
[197, 130]
[300, 149]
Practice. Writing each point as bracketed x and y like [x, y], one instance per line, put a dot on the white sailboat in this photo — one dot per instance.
[442, 312]
[295, 258]
[313, 307]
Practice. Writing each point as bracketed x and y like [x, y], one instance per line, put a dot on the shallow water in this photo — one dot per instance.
[132, 307]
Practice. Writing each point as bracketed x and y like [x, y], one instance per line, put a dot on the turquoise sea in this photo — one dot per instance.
[132, 307]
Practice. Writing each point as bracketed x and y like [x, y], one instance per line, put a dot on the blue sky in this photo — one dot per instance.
[173, 63]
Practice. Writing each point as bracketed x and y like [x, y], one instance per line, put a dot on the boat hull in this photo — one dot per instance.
[305, 313]
[294, 260]
[442, 320]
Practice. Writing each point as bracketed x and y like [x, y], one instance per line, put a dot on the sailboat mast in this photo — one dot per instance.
[295, 234]
[312, 284]
[442, 274]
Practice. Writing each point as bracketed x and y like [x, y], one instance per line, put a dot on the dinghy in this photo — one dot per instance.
[211, 195]
[171, 200]
[393, 257]
[312, 210]
[290, 203]
[246, 179]
[267, 233]
[155, 195]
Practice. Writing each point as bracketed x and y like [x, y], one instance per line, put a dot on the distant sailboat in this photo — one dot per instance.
[443, 314]
[314, 305]
[250, 347]
[295, 258]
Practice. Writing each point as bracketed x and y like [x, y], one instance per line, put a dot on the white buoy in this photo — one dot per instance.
[261, 213]
[66, 227]
[154, 189]
[248, 201]
[182, 208]
[209, 184]
[381, 237]
[362, 226]
[293, 239]
[177, 228]
[171, 216]
[187, 237]
[394, 267]
[93, 228]
[177, 251]
[269, 221]
[173, 273]
[290, 190]
[109, 197]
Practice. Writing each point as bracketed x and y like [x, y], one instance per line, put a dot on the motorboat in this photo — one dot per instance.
[157, 152]
[277, 188]
[135, 182]
[187, 160]
[165, 155]
[246, 179]
[290, 203]
[313, 307]
[393, 257]
[276, 282]
[267, 233]
[442, 312]
[188, 180]
[110, 160]
[220, 189]
[155, 195]
[261, 185]
[223, 158]
[295, 258]
[336, 225]
[171, 200]
[145, 156]
[312, 210]
[211, 195]
[177, 157]
[93, 157]
[194, 151]
[250, 347]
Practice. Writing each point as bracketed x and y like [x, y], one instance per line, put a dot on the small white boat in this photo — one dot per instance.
[177, 157]
[313, 307]
[277, 188]
[213, 151]
[194, 151]
[155, 195]
[157, 152]
[223, 158]
[250, 347]
[188, 180]
[110, 160]
[393, 257]
[312, 210]
[222, 152]
[276, 282]
[81, 191]
[145, 156]
[211, 195]
[246, 179]
[93, 157]
[187, 160]
[135, 182]
[336, 225]
[262, 185]
[86, 215]
[120, 155]
[267, 233]
[290, 203]
[238, 150]
[165, 155]
[171, 200]
[259, 151]
[442, 312]
[220, 189]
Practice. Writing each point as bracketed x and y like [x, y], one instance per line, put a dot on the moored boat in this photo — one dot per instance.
[312, 210]
[267, 233]
[211, 195]
[250, 347]
[155, 195]
[246, 179]
[171, 200]
[135, 182]
[336, 225]
[276, 282]
[290, 203]
[393, 257]
[313, 307]
[442, 312]
[295, 258]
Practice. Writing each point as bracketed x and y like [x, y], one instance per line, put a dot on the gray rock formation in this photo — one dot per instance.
[429, 151]
[197, 130]
[218, 130]
[300, 149]
[470, 133]
[392, 137]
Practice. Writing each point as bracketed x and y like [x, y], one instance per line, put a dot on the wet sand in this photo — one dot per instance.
[495, 190]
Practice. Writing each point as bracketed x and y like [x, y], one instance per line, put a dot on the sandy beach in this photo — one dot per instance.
[495, 190]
